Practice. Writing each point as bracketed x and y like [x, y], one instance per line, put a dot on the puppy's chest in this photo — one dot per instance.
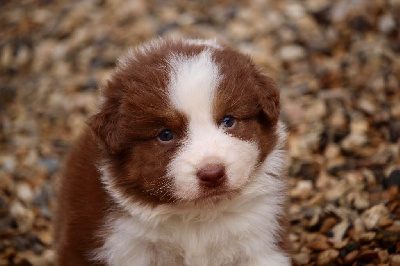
[186, 244]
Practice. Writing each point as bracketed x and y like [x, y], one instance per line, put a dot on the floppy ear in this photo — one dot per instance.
[268, 97]
[105, 125]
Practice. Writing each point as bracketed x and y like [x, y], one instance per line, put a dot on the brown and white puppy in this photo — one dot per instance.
[182, 165]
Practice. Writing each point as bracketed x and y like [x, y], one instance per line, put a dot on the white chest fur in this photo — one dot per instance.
[244, 233]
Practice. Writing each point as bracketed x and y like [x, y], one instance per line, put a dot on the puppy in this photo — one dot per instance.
[182, 164]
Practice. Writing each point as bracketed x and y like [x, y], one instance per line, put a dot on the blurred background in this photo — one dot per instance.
[337, 64]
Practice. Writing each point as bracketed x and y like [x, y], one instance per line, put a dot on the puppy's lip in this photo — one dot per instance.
[216, 194]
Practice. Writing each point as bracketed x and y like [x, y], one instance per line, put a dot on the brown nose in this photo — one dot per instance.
[212, 175]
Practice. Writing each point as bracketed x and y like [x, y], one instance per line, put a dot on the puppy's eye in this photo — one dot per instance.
[228, 121]
[166, 135]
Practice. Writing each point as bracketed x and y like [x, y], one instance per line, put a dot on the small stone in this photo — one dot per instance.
[367, 237]
[383, 256]
[45, 237]
[319, 243]
[354, 141]
[24, 192]
[292, 52]
[367, 106]
[350, 257]
[386, 23]
[332, 151]
[301, 258]
[316, 112]
[361, 201]
[303, 189]
[317, 200]
[327, 256]
[372, 216]
[316, 6]
[328, 224]
[339, 244]
[359, 125]
[23, 216]
[385, 222]
[340, 230]
[358, 227]
[338, 121]
[337, 191]
[395, 261]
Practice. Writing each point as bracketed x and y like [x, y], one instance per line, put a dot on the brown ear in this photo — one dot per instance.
[268, 96]
[105, 125]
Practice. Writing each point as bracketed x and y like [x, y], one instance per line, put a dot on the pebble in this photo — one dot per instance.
[372, 216]
[385, 222]
[23, 216]
[340, 229]
[319, 243]
[303, 189]
[46, 237]
[24, 192]
[327, 224]
[292, 52]
[361, 201]
[301, 258]
[386, 23]
[327, 256]
[350, 257]
[383, 256]
[395, 260]
[367, 236]
[354, 141]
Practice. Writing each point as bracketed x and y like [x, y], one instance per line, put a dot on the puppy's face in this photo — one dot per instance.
[184, 121]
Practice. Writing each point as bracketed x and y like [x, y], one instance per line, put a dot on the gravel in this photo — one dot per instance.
[337, 65]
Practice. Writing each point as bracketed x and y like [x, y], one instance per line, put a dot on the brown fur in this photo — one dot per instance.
[82, 205]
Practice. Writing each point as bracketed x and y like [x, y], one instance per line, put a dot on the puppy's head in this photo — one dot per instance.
[184, 121]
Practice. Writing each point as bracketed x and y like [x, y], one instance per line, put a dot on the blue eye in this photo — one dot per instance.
[166, 135]
[228, 121]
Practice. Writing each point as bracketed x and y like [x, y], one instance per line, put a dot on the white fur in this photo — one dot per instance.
[237, 230]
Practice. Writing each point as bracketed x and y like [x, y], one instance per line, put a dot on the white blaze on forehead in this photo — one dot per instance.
[193, 81]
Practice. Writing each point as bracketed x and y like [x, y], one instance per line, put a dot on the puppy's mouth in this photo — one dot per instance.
[216, 194]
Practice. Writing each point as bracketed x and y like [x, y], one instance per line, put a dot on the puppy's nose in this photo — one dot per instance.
[212, 175]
